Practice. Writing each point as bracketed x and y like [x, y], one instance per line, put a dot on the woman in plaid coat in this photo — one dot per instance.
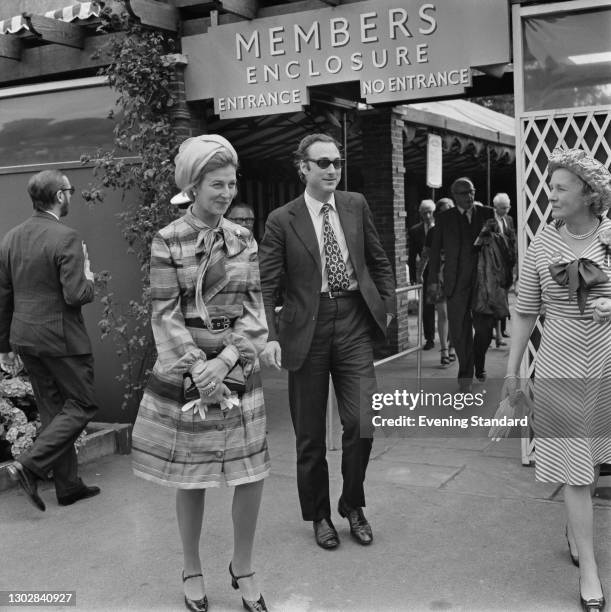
[207, 317]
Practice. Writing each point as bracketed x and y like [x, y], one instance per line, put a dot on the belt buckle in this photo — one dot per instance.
[220, 323]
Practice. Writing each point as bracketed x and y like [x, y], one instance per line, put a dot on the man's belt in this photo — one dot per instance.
[340, 294]
[216, 324]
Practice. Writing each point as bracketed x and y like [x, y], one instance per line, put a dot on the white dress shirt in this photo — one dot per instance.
[315, 210]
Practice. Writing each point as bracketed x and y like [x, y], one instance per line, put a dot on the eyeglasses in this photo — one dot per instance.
[71, 190]
[248, 220]
[325, 162]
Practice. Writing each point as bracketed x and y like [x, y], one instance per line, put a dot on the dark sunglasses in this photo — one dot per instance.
[242, 219]
[325, 162]
[71, 190]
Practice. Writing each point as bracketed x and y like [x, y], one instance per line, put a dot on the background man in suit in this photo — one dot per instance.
[339, 296]
[417, 236]
[243, 214]
[44, 281]
[502, 205]
[455, 232]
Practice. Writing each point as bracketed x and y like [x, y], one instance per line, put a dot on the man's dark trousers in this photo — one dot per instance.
[63, 387]
[428, 312]
[342, 346]
[471, 333]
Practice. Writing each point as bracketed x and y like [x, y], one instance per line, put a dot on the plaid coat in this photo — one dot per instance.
[179, 448]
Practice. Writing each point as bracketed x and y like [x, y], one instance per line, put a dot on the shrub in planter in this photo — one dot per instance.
[19, 421]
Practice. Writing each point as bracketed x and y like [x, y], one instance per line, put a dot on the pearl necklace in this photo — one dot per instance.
[582, 236]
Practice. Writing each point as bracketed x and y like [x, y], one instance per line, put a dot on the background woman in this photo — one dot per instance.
[207, 317]
[567, 269]
[439, 299]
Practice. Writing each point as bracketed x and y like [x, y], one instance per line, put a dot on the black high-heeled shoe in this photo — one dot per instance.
[195, 605]
[574, 558]
[592, 605]
[252, 606]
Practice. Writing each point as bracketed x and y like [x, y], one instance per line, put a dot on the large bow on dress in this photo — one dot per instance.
[580, 275]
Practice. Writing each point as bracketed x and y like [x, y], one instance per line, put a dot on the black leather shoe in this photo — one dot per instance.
[195, 605]
[360, 529]
[256, 605]
[428, 345]
[83, 493]
[28, 482]
[481, 377]
[326, 534]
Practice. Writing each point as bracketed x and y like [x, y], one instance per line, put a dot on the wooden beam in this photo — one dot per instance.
[55, 30]
[154, 14]
[190, 27]
[10, 47]
[53, 60]
[242, 8]
[247, 9]
[204, 6]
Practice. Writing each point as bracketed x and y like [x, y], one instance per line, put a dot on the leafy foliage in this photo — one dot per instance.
[141, 167]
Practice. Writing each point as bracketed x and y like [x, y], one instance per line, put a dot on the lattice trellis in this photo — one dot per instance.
[588, 129]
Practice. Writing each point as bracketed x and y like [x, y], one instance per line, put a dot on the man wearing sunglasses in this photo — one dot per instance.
[339, 297]
[44, 280]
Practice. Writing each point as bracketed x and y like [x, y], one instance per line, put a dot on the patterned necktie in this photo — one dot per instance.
[337, 275]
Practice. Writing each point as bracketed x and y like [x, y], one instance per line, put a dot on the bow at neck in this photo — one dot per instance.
[234, 240]
[579, 275]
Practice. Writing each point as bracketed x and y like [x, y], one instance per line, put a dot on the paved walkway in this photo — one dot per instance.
[459, 524]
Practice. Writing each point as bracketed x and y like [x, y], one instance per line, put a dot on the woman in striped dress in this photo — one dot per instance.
[567, 270]
[207, 316]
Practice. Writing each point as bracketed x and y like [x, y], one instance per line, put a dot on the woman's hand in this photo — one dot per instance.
[208, 377]
[507, 407]
[602, 310]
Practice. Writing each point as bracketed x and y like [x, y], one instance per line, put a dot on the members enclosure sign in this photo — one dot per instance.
[397, 49]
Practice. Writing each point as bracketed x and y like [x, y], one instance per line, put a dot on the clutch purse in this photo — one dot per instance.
[234, 381]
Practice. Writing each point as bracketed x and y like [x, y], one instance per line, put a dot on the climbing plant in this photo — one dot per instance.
[140, 166]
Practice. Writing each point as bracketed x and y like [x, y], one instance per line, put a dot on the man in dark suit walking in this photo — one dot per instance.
[417, 236]
[44, 280]
[502, 205]
[455, 233]
[339, 295]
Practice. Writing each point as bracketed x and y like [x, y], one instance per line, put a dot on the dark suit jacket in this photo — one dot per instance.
[290, 249]
[448, 239]
[42, 288]
[414, 249]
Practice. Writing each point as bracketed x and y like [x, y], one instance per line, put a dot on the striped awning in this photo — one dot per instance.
[81, 11]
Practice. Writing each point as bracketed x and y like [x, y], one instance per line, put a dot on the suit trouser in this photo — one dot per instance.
[63, 387]
[428, 321]
[470, 347]
[341, 346]
[428, 312]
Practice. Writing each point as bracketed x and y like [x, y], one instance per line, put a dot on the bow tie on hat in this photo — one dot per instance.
[579, 275]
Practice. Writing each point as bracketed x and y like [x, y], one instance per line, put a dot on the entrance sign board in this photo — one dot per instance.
[398, 50]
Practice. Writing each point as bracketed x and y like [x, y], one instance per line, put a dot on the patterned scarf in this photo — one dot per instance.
[214, 245]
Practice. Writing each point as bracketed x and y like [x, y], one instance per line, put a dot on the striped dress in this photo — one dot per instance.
[572, 415]
[177, 448]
